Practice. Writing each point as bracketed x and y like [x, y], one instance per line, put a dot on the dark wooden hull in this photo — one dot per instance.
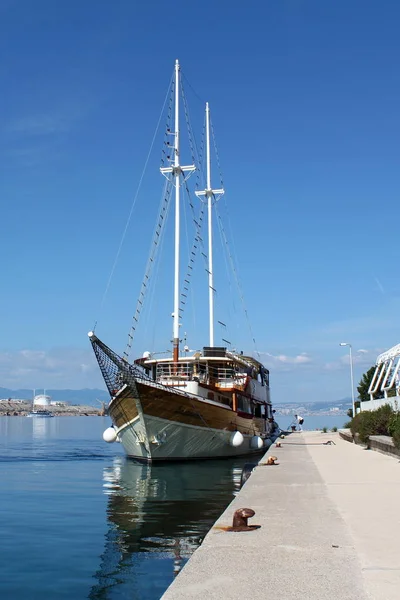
[157, 423]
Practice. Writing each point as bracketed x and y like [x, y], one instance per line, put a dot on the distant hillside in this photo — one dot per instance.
[343, 404]
[87, 397]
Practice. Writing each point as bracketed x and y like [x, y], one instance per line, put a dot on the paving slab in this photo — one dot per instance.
[365, 488]
[304, 548]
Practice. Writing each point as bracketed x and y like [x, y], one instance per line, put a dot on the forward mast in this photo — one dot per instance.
[176, 170]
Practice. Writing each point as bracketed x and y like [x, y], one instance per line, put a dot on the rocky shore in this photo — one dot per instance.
[21, 409]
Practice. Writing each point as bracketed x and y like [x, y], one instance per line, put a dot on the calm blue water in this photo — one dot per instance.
[79, 520]
[315, 421]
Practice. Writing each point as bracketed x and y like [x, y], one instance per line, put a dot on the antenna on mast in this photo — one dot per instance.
[175, 171]
[210, 194]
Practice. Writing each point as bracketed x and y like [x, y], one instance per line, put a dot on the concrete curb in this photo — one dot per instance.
[379, 443]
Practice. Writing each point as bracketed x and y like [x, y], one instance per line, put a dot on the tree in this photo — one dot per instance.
[356, 405]
[364, 384]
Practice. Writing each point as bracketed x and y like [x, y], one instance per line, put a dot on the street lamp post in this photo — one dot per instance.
[351, 376]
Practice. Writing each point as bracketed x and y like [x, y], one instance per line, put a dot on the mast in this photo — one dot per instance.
[210, 256]
[177, 219]
[176, 171]
[209, 193]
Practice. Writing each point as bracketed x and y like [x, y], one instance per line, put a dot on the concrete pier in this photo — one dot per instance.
[330, 528]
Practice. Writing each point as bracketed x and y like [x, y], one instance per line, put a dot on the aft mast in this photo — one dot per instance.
[176, 171]
[210, 194]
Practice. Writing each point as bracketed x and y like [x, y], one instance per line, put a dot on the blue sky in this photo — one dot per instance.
[304, 98]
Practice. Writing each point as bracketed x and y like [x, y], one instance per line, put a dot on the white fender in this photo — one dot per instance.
[267, 442]
[256, 443]
[236, 439]
[109, 435]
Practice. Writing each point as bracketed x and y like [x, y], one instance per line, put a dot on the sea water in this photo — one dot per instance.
[312, 422]
[79, 520]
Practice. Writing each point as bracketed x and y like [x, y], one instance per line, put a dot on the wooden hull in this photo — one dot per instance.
[154, 423]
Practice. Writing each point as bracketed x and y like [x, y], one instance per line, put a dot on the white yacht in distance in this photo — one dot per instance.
[41, 402]
[42, 414]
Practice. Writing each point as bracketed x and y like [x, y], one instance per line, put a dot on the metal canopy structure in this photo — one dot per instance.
[386, 376]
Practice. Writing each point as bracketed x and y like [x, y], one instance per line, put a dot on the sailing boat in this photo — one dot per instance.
[213, 404]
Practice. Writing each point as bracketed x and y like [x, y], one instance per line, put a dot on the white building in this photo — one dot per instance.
[42, 400]
[386, 379]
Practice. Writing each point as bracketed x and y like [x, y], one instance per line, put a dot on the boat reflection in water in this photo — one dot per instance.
[157, 516]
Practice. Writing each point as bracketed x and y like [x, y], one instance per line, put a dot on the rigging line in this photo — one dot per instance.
[197, 241]
[191, 135]
[193, 147]
[190, 252]
[192, 88]
[216, 153]
[154, 284]
[135, 199]
[166, 150]
[200, 170]
[198, 224]
[231, 294]
[241, 295]
[225, 203]
[228, 260]
[191, 400]
[154, 248]
[233, 258]
[232, 237]
[158, 230]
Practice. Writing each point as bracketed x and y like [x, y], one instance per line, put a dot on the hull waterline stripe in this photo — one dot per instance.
[125, 425]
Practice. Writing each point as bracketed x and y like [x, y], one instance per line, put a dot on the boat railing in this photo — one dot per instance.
[234, 382]
[173, 370]
[223, 377]
[227, 375]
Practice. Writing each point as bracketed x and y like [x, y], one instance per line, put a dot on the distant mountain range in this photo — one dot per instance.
[90, 397]
[343, 404]
[87, 397]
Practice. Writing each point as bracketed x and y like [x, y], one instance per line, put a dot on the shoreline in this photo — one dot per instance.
[22, 409]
